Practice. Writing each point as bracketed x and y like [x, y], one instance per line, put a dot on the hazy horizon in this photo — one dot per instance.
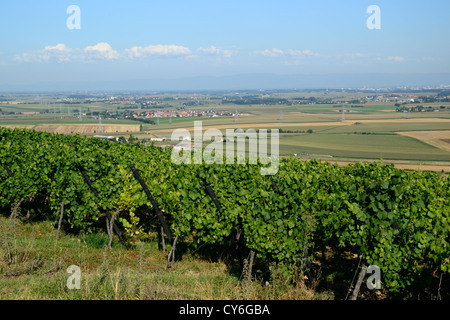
[246, 82]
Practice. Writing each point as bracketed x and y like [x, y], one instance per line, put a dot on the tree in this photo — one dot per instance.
[132, 139]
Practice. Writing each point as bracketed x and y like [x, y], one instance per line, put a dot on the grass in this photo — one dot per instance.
[388, 127]
[33, 266]
[372, 146]
[48, 119]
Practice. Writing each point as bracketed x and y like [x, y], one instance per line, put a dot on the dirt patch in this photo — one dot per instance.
[308, 124]
[406, 166]
[79, 128]
[417, 120]
[438, 139]
[259, 126]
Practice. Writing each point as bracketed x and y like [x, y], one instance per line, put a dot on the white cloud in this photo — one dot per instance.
[301, 53]
[212, 50]
[354, 55]
[287, 53]
[270, 52]
[396, 59]
[59, 47]
[61, 53]
[58, 53]
[157, 50]
[102, 50]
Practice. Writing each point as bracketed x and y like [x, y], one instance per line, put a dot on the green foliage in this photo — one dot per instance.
[398, 220]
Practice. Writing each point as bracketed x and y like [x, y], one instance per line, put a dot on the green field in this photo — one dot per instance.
[359, 140]
[380, 146]
[326, 108]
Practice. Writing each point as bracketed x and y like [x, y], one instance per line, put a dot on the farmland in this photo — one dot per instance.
[371, 128]
[79, 128]
[438, 139]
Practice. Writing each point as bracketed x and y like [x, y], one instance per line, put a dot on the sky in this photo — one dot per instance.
[137, 40]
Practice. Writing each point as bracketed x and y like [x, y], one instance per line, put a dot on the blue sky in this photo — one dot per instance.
[131, 40]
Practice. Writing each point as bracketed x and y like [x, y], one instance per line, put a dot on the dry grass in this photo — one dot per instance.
[438, 139]
[79, 128]
[33, 266]
[259, 123]
[438, 167]
[415, 120]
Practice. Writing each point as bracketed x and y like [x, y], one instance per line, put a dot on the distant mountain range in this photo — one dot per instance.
[245, 82]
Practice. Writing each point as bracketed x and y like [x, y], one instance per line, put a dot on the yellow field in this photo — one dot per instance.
[309, 124]
[407, 166]
[79, 128]
[416, 120]
[438, 139]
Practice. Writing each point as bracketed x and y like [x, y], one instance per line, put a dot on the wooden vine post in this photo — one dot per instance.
[362, 273]
[171, 255]
[238, 232]
[250, 264]
[108, 215]
[164, 227]
[60, 217]
[154, 203]
[10, 174]
[30, 198]
[210, 192]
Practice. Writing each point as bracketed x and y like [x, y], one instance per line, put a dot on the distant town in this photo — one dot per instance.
[150, 107]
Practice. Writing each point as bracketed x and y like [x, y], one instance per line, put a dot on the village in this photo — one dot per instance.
[177, 114]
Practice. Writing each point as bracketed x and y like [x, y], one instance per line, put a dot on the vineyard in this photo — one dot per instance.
[395, 219]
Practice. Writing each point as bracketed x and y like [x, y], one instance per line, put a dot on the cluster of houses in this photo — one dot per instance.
[180, 114]
[183, 143]
[110, 138]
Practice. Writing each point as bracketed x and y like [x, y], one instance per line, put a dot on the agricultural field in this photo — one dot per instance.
[359, 137]
[370, 131]
[79, 128]
[438, 139]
